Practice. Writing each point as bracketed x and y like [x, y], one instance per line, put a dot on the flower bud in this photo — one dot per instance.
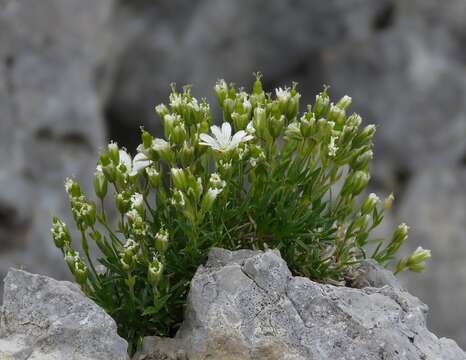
[388, 202]
[60, 233]
[293, 131]
[355, 183]
[209, 198]
[146, 139]
[161, 110]
[114, 152]
[155, 271]
[70, 258]
[361, 222]
[321, 105]
[257, 86]
[179, 178]
[337, 115]
[137, 202]
[364, 136]
[155, 178]
[163, 150]
[345, 102]
[186, 154]
[88, 213]
[178, 135]
[277, 125]
[361, 161]
[307, 124]
[221, 90]
[100, 184]
[72, 188]
[80, 271]
[369, 204]
[161, 240]
[123, 202]
[400, 234]
[260, 121]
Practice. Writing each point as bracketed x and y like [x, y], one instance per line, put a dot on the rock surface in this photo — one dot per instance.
[247, 305]
[45, 319]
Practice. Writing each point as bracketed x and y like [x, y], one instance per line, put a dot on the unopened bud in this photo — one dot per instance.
[60, 233]
[369, 204]
[114, 152]
[321, 105]
[100, 184]
[345, 102]
[161, 240]
[155, 271]
[388, 201]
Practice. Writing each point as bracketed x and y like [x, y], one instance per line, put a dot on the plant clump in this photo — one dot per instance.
[267, 177]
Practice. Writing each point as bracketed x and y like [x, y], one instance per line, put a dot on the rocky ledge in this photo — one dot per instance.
[242, 305]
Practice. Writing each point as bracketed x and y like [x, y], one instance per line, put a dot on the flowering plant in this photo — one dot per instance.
[266, 178]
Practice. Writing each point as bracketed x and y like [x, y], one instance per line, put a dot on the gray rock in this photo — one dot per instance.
[251, 307]
[51, 92]
[47, 319]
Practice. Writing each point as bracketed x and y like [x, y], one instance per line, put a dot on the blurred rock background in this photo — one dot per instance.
[77, 73]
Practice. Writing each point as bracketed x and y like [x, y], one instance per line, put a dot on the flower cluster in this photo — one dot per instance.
[267, 177]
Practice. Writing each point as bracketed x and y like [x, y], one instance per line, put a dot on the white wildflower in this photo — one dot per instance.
[134, 166]
[222, 140]
[216, 181]
[283, 94]
[137, 201]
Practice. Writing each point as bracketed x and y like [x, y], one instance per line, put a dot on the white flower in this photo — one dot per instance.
[139, 162]
[253, 161]
[283, 94]
[222, 140]
[332, 148]
[175, 100]
[216, 181]
[137, 201]
[68, 184]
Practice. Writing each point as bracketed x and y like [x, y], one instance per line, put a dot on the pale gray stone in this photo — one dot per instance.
[251, 307]
[45, 319]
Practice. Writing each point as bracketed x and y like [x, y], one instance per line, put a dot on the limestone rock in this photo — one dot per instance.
[45, 319]
[249, 306]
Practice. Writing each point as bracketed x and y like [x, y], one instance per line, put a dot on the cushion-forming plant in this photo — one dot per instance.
[267, 177]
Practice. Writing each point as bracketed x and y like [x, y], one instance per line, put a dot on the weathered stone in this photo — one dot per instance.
[251, 307]
[47, 319]
[51, 118]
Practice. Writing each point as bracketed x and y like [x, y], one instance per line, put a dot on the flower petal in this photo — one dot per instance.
[140, 162]
[126, 160]
[208, 140]
[216, 131]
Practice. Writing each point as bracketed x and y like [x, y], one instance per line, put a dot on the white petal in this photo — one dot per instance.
[208, 140]
[126, 160]
[216, 131]
[140, 162]
[239, 137]
[226, 131]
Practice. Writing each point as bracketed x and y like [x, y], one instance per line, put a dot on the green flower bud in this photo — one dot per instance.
[400, 234]
[337, 115]
[88, 213]
[178, 135]
[260, 121]
[257, 86]
[161, 240]
[221, 90]
[369, 204]
[161, 110]
[307, 124]
[179, 178]
[361, 222]
[186, 154]
[155, 271]
[123, 202]
[345, 102]
[276, 126]
[146, 139]
[155, 177]
[72, 188]
[361, 161]
[163, 150]
[80, 272]
[60, 233]
[364, 136]
[209, 198]
[321, 105]
[114, 152]
[100, 184]
[293, 131]
[420, 255]
[70, 258]
[354, 120]
[355, 183]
